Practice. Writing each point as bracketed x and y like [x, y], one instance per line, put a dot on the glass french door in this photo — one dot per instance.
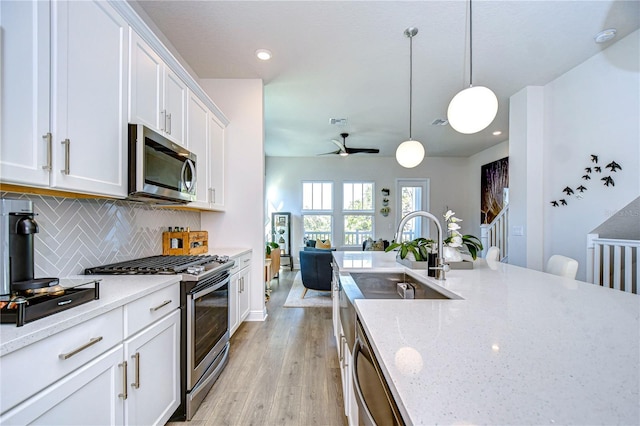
[413, 194]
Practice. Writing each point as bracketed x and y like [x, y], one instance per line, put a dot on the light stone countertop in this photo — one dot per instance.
[519, 347]
[115, 291]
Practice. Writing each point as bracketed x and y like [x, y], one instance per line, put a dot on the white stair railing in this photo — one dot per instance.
[613, 263]
[496, 234]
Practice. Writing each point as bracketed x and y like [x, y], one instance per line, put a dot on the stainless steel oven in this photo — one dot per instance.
[206, 335]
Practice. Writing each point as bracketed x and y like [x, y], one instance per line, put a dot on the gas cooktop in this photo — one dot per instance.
[165, 265]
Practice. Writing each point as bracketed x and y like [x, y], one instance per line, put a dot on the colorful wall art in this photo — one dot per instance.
[494, 179]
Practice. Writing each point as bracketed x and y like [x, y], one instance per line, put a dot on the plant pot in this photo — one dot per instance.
[413, 264]
[464, 264]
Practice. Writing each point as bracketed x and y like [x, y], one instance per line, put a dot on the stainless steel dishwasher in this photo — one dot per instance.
[376, 405]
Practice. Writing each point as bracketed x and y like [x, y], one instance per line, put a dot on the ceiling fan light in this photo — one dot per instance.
[410, 153]
[472, 109]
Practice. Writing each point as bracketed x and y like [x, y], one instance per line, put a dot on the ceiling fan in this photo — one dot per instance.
[344, 150]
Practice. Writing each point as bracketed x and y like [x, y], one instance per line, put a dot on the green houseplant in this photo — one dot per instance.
[456, 240]
[270, 246]
[419, 247]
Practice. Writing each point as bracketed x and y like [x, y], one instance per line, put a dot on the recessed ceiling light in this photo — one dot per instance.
[605, 35]
[263, 54]
[497, 133]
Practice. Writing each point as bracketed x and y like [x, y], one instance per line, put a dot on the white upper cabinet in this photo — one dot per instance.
[197, 142]
[64, 96]
[216, 162]
[24, 120]
[157, 96]
[89, 65]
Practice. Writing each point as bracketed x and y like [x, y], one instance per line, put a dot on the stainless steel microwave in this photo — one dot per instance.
[160, 171]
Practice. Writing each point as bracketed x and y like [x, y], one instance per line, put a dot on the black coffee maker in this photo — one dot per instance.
[18, 228]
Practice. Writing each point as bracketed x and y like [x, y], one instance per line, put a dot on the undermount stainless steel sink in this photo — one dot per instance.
[385, 286]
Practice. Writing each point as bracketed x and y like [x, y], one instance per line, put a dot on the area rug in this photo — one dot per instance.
[313, 298]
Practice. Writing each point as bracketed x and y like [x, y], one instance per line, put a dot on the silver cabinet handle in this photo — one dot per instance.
[213, 190]
[341, 349]
[81, 348]
[136, 358]
[169, 126]
[124, 394]
[163, 304]
[47, 138]
[67, 144]
[163, 119]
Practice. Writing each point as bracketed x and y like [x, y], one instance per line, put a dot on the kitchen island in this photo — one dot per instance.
[518, 347]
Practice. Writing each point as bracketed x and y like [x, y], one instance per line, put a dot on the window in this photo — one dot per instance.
[317, 196]
[358, 196]
[317, 210]
[358, 207]
[317, 226]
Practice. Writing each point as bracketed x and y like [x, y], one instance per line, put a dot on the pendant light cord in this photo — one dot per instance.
[410, 83]
[470, 45]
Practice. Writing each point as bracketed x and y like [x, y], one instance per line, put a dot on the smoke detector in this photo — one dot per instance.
[338, 121]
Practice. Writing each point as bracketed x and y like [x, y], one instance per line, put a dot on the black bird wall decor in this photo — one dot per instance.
[579, 190]
[613, 166]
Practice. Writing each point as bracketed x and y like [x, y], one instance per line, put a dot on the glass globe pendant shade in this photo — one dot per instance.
[472, 109]
[410, 153]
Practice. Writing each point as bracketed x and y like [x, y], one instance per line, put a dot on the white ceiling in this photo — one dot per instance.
[350, 59]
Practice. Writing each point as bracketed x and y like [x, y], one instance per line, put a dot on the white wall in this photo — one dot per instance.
[241, 225]
[592, 109]
[449, 186]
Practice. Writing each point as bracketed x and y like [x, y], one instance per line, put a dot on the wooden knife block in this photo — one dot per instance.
[185, 243]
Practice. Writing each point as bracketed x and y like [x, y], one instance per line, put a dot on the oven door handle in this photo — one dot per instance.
[199, 292]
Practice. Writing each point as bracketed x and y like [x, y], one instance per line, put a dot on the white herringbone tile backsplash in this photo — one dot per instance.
[80, 233]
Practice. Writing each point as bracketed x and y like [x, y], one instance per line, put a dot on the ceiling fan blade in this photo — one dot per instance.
[330, 153]
[363, 150]
[339, 144]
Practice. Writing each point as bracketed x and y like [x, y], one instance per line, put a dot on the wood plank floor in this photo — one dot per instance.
[283, 371]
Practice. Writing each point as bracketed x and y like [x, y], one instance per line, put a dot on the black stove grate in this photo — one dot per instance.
[156, 265]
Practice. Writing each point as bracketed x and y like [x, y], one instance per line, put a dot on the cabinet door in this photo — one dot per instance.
[88, 396]
[234, 288]
[153, 358]
[145, 84]
[244, 294]
[175, 106]
[24, 120]
[217, 162]
[197, 142]
[89, 64]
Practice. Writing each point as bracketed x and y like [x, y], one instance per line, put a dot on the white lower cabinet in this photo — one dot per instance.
[89, 375]
[153, 376]
[88, 396]
[345, 354]
[239, 291]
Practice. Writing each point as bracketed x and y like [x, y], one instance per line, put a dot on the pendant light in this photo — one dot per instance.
[474, 108]
[410, 153]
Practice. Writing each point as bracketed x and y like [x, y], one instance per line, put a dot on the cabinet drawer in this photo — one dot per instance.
[242, 261]
[34, 367]
[142, 312]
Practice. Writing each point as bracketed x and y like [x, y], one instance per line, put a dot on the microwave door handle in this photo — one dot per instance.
[183, 173]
